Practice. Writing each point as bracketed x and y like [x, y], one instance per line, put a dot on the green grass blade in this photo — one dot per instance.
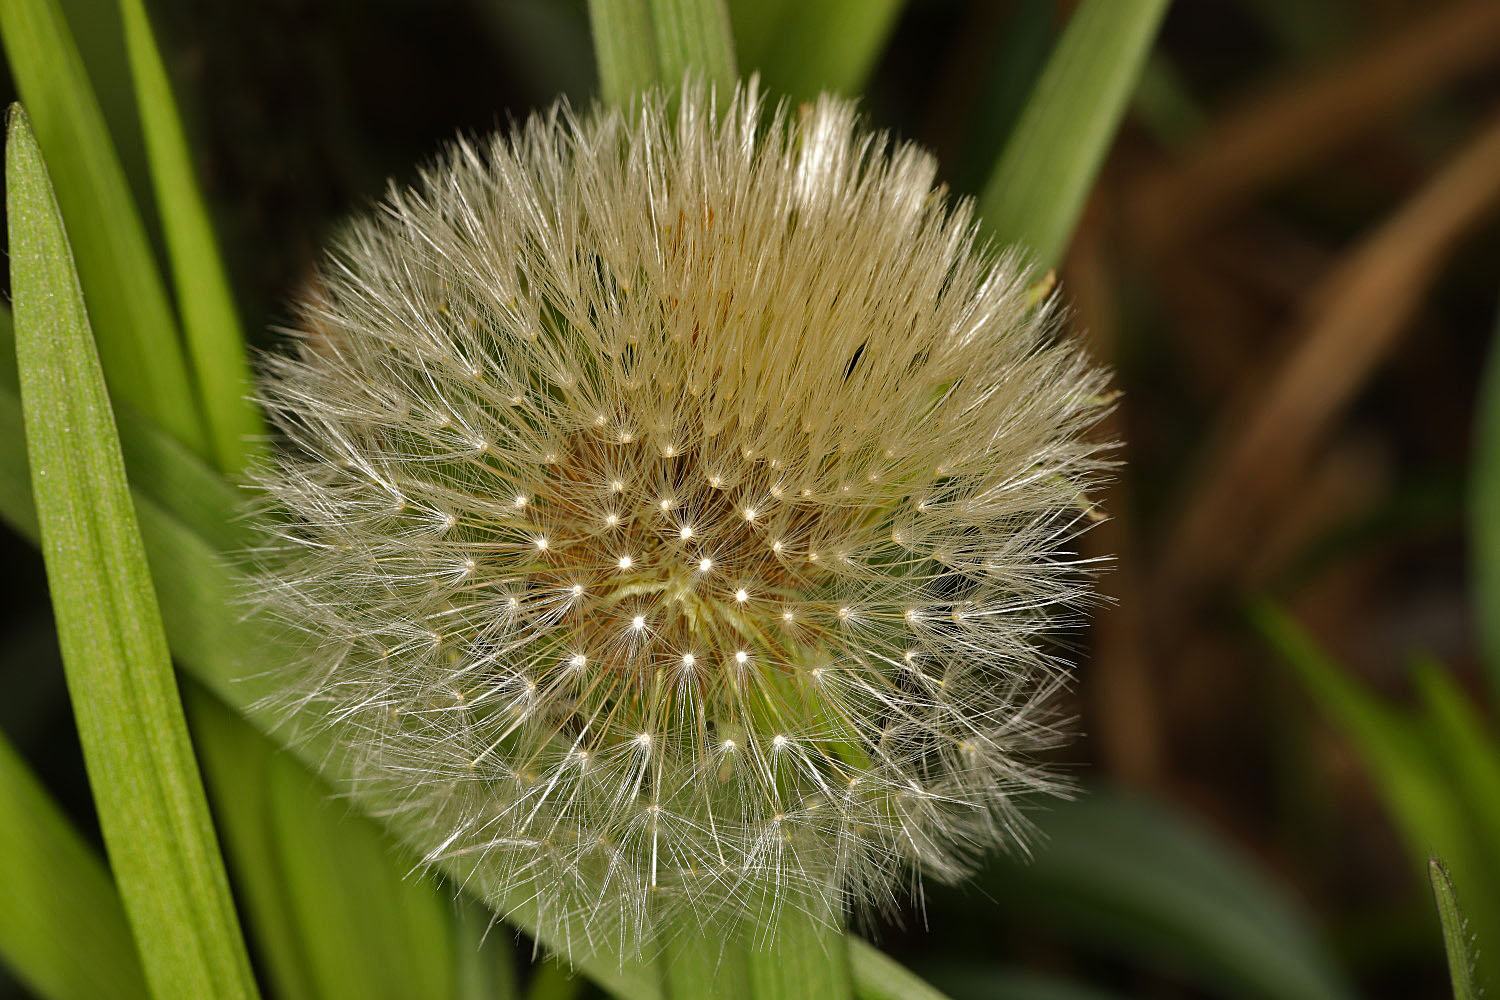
[553, 980]
[1129, 875]
[236, 761]
[755, 24]
[1457, 940]
[486, 960]
[151, 807]
[1484, 515]
[210, 321]
[1405, 759]
[877, 976]
[369, 935]
[1473, 756]
[1391, 745]
[803, 956]
[829, 45]
[1037, 190]
[694, 34]
[137, 333]
[705, 963]
[624, 47]
[57, 893]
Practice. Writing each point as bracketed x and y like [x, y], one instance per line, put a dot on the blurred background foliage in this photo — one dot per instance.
[1287, 699]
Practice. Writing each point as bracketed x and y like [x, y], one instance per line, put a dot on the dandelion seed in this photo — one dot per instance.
[909, 425]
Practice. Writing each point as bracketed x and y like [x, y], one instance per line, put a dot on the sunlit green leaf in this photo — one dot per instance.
[1037, 190]
[209, 319]
[624, 46]
[694, 34]
[802, 49]
[128, 305]
[141, 768]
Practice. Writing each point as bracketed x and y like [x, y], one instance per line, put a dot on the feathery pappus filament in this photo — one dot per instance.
[672, 506]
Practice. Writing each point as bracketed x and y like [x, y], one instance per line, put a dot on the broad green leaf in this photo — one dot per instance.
[209, 319]
[640, 43]
[137, 333]
[1458, 941]
[877, 976]
[1484, 515]
[694, 35]
[145, 781]
[58, 893]
[1038, 187]
[367, 935]
[755, 24]
[803, 956]
[486, 967]
[700, 963]
[1149, 884]
[553, 980]
[624, 46]
[802, 49]
[236, 762]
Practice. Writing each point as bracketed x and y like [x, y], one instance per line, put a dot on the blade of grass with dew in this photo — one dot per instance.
[136, 331]
[57, 893]
[145, 781]
[829, 45]
[210, 321]
[1484, 515]
[1457, 941]
[694, 34]
[624, 47]
[1037, 189]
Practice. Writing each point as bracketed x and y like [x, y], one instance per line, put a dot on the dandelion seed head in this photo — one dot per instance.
[757, 343]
